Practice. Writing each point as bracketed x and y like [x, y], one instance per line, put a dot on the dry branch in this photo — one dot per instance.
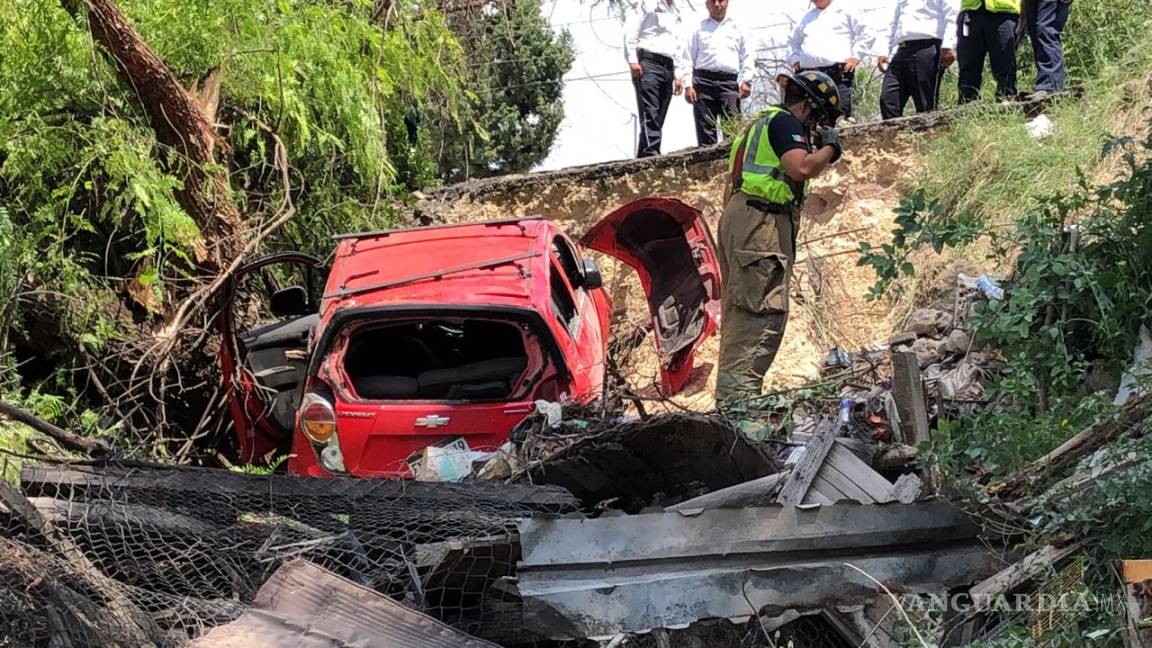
[137, 627]
[1133, 418]
[70, 441]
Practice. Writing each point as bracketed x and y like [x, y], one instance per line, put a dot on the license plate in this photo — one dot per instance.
[452, 444]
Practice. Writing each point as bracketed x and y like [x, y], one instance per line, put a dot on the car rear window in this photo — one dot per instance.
[436, 359]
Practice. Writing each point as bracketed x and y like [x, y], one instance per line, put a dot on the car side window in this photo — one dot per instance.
[563, 305]
[569, 260]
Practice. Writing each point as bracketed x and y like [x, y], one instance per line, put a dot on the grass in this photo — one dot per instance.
[988, 164]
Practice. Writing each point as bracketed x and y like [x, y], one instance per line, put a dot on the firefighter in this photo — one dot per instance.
[768, 169]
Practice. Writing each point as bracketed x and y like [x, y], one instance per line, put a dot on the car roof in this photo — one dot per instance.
[491, 263]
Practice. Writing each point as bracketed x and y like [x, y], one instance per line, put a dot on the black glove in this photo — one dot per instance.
[828, 136]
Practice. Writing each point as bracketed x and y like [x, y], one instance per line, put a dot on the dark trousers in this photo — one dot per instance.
[914, 72]
[1046, 20]
[845, 84]
[717, 97]
[653, 94]
[985, 34]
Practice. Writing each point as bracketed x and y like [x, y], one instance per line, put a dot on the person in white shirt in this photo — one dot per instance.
[653, 42]
[718, 71]
[921, 45]
[831, 39]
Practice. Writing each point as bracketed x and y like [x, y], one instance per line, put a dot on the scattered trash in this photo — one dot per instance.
[837, 360]
[1039, 127]
[1139, 370]
[989, 287]
[447, 462]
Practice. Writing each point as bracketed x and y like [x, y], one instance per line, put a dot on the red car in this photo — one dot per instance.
[448, 334]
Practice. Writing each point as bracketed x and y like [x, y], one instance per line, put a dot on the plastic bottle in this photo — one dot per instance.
[846, 406]
[988, 287]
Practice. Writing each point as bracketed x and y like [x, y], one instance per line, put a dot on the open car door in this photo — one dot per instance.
[267, 312]
[669, 245]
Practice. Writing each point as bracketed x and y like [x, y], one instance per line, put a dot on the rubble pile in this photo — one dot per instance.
[588, 529]
[953, 366]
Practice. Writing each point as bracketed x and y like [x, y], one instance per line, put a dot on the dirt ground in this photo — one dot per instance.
[853, 202]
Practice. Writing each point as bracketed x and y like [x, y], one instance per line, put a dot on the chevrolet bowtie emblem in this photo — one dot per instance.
[432, 421]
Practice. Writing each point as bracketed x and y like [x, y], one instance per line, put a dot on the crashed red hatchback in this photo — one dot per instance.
[446, 335]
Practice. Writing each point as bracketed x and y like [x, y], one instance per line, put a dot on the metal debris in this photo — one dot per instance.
[596, 578]
[307, 606]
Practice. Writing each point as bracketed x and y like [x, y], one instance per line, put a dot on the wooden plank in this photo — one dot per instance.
[1020, 572]
[1136, 571]
[830, 474]
[1137, 633]
[861, 474]
[1133, 418]
[908, 390]
[758, 492]
[800, 479]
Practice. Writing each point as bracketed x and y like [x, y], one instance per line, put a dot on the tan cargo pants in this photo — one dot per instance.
[757, 251]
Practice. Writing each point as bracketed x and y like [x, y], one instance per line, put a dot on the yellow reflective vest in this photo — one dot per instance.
[995, 6]
[760, 172]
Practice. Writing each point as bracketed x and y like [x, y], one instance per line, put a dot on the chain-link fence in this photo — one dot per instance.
[120, 555]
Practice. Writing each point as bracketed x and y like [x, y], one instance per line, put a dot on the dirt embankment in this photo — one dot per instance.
[853, 202]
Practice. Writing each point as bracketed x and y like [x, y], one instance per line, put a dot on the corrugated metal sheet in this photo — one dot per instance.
[599, 577]
[306, 606]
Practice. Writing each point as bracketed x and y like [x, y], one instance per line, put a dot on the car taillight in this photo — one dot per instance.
[317, 418]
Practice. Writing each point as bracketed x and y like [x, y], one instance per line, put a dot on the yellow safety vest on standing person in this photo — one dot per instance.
[761, 174]
[995, 6]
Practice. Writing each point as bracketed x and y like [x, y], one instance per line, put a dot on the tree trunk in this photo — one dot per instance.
[180, 123]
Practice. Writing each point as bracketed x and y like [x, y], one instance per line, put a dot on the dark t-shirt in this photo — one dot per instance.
[785, 133]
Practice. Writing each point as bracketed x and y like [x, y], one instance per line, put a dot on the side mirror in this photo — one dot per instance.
[592, 276]
[290, 302]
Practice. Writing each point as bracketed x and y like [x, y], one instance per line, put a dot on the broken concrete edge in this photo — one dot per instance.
[76, 481]
[514, 182]
[666, 454]
[597, 578]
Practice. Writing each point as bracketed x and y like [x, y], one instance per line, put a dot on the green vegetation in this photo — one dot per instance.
[1068, 213]
[341, 107]
[513, 91]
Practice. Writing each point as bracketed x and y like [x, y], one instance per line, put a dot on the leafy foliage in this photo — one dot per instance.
[93, 236]
[513, 86]
[1079, 291]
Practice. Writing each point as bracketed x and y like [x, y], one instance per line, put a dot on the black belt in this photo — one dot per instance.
[768, 207]
[715, 76]
[653, 56]
[917, 42]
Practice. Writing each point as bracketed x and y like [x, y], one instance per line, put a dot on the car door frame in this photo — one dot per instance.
[256, 435]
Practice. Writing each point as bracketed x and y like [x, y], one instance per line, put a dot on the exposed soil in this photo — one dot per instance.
[853, 202]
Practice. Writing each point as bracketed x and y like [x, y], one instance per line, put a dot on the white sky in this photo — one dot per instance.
[599, 102]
